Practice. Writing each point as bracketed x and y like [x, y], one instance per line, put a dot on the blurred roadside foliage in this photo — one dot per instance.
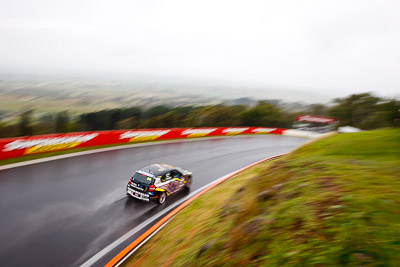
[363, 111]
[264, 114]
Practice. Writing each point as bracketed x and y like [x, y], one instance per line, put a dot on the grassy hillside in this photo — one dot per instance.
[333, 202]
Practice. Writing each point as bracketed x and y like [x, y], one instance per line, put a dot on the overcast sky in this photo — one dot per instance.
[332, 47]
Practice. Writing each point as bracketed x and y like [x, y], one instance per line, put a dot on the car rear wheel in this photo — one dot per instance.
[188, 181]
[161, 198]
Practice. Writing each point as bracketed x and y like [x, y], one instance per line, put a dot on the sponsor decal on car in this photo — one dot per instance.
[136, 136]
[232, 131]
[170, 187]
[48, 144]
[198, 132]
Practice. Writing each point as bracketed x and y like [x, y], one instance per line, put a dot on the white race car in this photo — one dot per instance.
[156, 182]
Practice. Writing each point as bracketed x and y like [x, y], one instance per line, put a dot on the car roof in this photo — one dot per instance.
[158, 169]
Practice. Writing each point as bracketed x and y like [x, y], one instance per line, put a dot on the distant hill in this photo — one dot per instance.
[46, 94]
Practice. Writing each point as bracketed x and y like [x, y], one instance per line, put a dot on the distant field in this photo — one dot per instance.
[49, 105]
[80, 98]
[334, 202]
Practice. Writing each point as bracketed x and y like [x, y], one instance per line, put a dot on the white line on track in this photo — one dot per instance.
[144, 242]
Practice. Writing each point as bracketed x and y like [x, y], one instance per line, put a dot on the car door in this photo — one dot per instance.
[177, 176]
[171, 184]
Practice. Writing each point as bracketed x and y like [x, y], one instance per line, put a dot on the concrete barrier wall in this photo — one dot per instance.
[20, 146]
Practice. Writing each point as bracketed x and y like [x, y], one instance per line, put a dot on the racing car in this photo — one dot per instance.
[156, 182]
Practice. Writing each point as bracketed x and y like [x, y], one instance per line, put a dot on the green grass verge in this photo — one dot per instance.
[334, 202]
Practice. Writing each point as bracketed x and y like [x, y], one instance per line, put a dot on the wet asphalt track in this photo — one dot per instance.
[62, 212]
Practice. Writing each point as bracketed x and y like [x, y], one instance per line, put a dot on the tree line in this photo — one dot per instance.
[363, 111]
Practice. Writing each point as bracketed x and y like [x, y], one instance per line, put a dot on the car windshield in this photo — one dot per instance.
[142, 178]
